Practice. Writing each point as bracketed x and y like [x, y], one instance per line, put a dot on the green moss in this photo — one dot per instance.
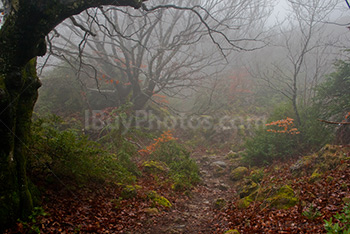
[159, 200]
[130, 191]
[232, 231]
[315, 176]
[238, 173]
[248, 189]
[257, 175]
[284, 198]
[154, 167]
[220, 203]
[232, 155]
[244, 202]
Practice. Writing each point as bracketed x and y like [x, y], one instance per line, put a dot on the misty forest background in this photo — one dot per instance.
[237, 110]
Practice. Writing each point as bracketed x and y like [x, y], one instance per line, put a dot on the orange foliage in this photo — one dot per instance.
[160, 99]
[165, 137]
[285, 124]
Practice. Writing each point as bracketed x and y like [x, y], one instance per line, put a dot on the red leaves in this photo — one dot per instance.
[160, 99]
[285, 124]
[165, 137]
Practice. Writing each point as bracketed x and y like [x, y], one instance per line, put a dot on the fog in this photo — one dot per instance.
[190, 56]
[192, 116]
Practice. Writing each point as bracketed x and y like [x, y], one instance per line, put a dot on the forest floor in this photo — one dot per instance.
[195, 214]
[70, 209]
[209, 207]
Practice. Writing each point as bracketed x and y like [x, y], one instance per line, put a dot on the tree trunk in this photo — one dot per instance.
[17, 99]
[22, 39]
[296, 111]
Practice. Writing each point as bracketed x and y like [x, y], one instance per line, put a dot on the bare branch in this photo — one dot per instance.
[81, 26]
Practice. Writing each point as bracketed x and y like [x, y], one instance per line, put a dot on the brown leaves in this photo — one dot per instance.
[325, 195]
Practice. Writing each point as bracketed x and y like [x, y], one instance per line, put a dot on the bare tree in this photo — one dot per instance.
[161, 49]
[304, 47]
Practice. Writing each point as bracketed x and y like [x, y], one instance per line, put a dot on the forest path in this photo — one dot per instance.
[195, 214]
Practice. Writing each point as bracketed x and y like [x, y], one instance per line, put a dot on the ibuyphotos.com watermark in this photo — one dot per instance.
[98, 119]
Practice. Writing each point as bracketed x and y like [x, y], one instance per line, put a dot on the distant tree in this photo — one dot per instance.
[163, 49]
[333, 101]
[334, 94]
[303, 50]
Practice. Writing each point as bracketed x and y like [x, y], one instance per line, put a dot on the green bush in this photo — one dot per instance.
[334, 94]
[315, 134]
[343, 225]
[69, 154]
[266, 146]
[184, 171]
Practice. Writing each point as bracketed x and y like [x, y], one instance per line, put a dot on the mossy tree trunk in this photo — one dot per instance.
[16, 105]
[22, 39]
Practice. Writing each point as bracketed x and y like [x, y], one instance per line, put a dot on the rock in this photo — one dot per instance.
[232, 155]
[248, 189]
[219, 171]
[232, 231]
[244, 202]
[328, 158]
[219, 164]
[235, 162]
[315, 176]
[129, 191]
[257, 175]
[330, 148]
[204, 159]
[223, 187]
[151, 211]
[283, 199]
[219, 204]
[159, 200]
[239, 173]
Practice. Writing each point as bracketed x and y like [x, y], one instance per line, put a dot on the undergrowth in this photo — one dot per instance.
[70, 154]
[184, 171]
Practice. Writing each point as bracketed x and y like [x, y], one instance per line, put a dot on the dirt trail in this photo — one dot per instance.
[194, 215]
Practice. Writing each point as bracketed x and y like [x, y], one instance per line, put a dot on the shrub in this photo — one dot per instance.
[183, 170]
[69, 154]
[280, 139]
[343, 225]
[265, 147]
